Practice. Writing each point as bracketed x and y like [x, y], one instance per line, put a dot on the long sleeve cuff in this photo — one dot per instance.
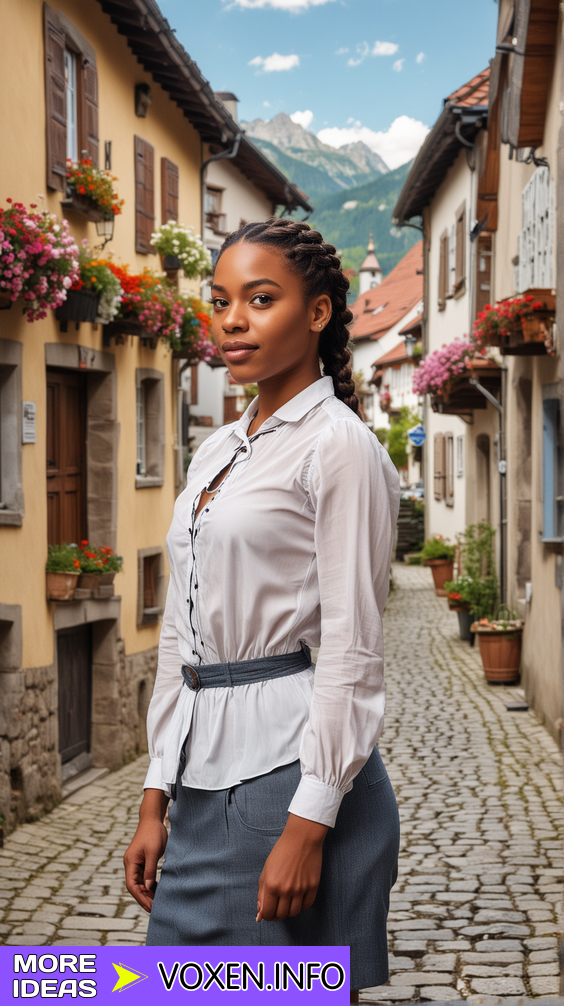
[316, 801]
[153, 779]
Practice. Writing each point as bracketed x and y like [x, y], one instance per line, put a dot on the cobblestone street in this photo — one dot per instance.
[475, 909]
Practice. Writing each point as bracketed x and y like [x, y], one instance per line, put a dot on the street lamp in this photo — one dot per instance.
[105, 229]
[410, 342]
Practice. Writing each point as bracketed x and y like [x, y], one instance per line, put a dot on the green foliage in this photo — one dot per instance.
[382, 433]
[62, 559]
[414, 560]
[98, 559]
[397, 436]
[437, 548]
[479, 566]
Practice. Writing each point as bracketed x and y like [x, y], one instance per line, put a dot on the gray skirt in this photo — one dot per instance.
[219, 842]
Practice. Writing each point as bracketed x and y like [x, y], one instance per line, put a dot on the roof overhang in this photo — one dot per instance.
[456, 127]
[530, 52]
[153, 42]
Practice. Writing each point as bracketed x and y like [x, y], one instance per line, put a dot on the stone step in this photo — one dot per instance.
[83, 779]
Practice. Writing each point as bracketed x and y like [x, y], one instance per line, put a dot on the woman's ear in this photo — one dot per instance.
[321, 313]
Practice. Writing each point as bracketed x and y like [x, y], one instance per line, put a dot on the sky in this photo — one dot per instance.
[371, 70]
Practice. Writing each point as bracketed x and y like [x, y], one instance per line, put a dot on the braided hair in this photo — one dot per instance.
[316, 262]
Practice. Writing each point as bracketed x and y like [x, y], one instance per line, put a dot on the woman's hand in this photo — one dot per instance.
[147, 846]
[290, 878]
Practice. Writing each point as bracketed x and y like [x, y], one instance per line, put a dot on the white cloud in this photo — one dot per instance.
[266, 104]
[362, 52]
[340, 52]
[396, 145]
[295, 6]
[302, 118]
[385, 49]
[398, 65]
[275, 63]
[420, 58]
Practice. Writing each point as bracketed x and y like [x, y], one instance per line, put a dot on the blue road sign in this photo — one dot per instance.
[417, 434]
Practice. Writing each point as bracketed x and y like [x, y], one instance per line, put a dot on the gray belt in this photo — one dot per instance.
[240, 672]
[245, 672]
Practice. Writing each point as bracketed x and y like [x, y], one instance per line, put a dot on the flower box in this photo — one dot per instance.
[61, 586]
[5, 301]
[80, 305]
[130, 325]
[91, 581]
[83, 205]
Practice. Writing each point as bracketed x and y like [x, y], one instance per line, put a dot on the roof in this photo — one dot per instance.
[412, 325]
[370, 264]
[153, 42]
[463, 115]
[398, 354]
[378, 310]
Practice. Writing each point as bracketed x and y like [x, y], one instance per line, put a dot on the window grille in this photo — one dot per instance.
[72, 105]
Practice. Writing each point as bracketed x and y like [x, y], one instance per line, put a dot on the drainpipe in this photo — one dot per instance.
[502, 469]
[224, 155]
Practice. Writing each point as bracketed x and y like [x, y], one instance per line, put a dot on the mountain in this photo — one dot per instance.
[346, 219]
[313, 166]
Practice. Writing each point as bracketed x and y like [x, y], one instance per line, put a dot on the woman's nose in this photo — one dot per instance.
[234, 321]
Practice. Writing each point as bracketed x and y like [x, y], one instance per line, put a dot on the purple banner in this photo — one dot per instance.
[151, 975]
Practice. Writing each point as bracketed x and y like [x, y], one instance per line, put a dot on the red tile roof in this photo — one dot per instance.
[475, 92]
[411, 325]
[379, 309]
[398, 354]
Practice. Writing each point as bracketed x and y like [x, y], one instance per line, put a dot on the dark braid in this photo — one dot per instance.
[318, 265]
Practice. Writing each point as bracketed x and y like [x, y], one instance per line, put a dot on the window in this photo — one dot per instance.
[141, 461]
[536, 241]
[169, 190]
[212, 200]
[144, 195]
[150, 585]
[553, 459]
[460, 254]
[150, 428]
[215, 219]
[439, 466]
[484, 271]
[459, 457]
[72, 105]
[451, 282]
[449, 479]
[443, 270]
[11, 492]
[71, 95]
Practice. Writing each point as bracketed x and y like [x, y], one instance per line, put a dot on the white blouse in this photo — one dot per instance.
[294, 546]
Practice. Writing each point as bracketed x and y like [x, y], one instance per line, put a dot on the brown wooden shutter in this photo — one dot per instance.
[460, 265]
[449, 474]
[55, 101]
[439, 466]
[144, 195]
[89, 131]
[169, 190]
[194, 384]
[443, 270]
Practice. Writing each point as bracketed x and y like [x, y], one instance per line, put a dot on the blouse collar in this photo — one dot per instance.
[292, 411]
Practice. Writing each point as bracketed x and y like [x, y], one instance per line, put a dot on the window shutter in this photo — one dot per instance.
[89, 137]
[144, 196]
[169, 190]
[194, 384]
[460, 268]
[442, 268]
[449, 479]
[439, 466]
[55, 101]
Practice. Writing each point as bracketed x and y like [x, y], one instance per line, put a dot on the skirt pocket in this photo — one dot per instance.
[374, 771]
[261, 804]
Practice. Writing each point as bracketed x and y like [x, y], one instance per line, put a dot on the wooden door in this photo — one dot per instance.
[66, 456]
[74, 657]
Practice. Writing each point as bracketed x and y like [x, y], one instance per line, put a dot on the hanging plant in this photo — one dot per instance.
[175, 242]
[38, 258]
[94, 185]
[96, 277]
[436, 372]
[194, 341]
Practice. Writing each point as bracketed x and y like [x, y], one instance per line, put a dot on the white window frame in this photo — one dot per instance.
[535, 269]
[460, 456]
[72, 104]
[141, 468]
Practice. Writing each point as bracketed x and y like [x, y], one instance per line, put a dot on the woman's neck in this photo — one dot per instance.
[274, 392]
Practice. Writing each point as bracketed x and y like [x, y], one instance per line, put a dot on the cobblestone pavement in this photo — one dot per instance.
[474, 912]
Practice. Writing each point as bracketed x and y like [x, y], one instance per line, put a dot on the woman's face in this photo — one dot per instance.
[262, 325]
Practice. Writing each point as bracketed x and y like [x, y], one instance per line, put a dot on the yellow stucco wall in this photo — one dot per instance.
[143, 514]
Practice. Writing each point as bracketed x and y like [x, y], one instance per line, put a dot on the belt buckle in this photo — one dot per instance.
[195, 678]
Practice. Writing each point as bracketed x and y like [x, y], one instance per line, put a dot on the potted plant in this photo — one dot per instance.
[95, 295]
[90, 191]
[38, 259]
[439, 555]
[98, 565]
[63, 570]
[180, 248]
[500, 646]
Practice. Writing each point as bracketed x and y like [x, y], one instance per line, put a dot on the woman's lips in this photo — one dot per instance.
[237, 350]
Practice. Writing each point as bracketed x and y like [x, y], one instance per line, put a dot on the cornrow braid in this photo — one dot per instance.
[316, 262]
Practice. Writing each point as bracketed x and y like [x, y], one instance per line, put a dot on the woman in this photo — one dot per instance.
[284, 826]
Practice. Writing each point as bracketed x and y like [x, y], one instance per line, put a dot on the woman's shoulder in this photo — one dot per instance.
[345, 443]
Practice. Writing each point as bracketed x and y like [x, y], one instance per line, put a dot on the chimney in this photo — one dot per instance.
[229, 101]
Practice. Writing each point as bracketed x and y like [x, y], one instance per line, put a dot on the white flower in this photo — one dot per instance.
[67, 282]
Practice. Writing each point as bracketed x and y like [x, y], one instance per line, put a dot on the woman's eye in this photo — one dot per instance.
[217, 302]
[262, 299]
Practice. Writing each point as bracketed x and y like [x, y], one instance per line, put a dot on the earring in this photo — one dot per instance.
[320, 325]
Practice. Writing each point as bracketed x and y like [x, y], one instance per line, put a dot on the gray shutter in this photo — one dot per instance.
[55, 101]
[144, 196]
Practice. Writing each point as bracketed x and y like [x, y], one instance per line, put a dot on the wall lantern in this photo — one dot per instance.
[410, 343]
[105, 229]
[143, 99]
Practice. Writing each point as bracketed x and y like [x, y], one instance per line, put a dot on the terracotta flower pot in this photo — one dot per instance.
[105, 578]
[89, 581]
[60, 586]
[500, 650]
[534, 326]
[442, 570]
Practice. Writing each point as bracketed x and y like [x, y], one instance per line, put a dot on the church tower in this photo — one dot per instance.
[370, 273]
